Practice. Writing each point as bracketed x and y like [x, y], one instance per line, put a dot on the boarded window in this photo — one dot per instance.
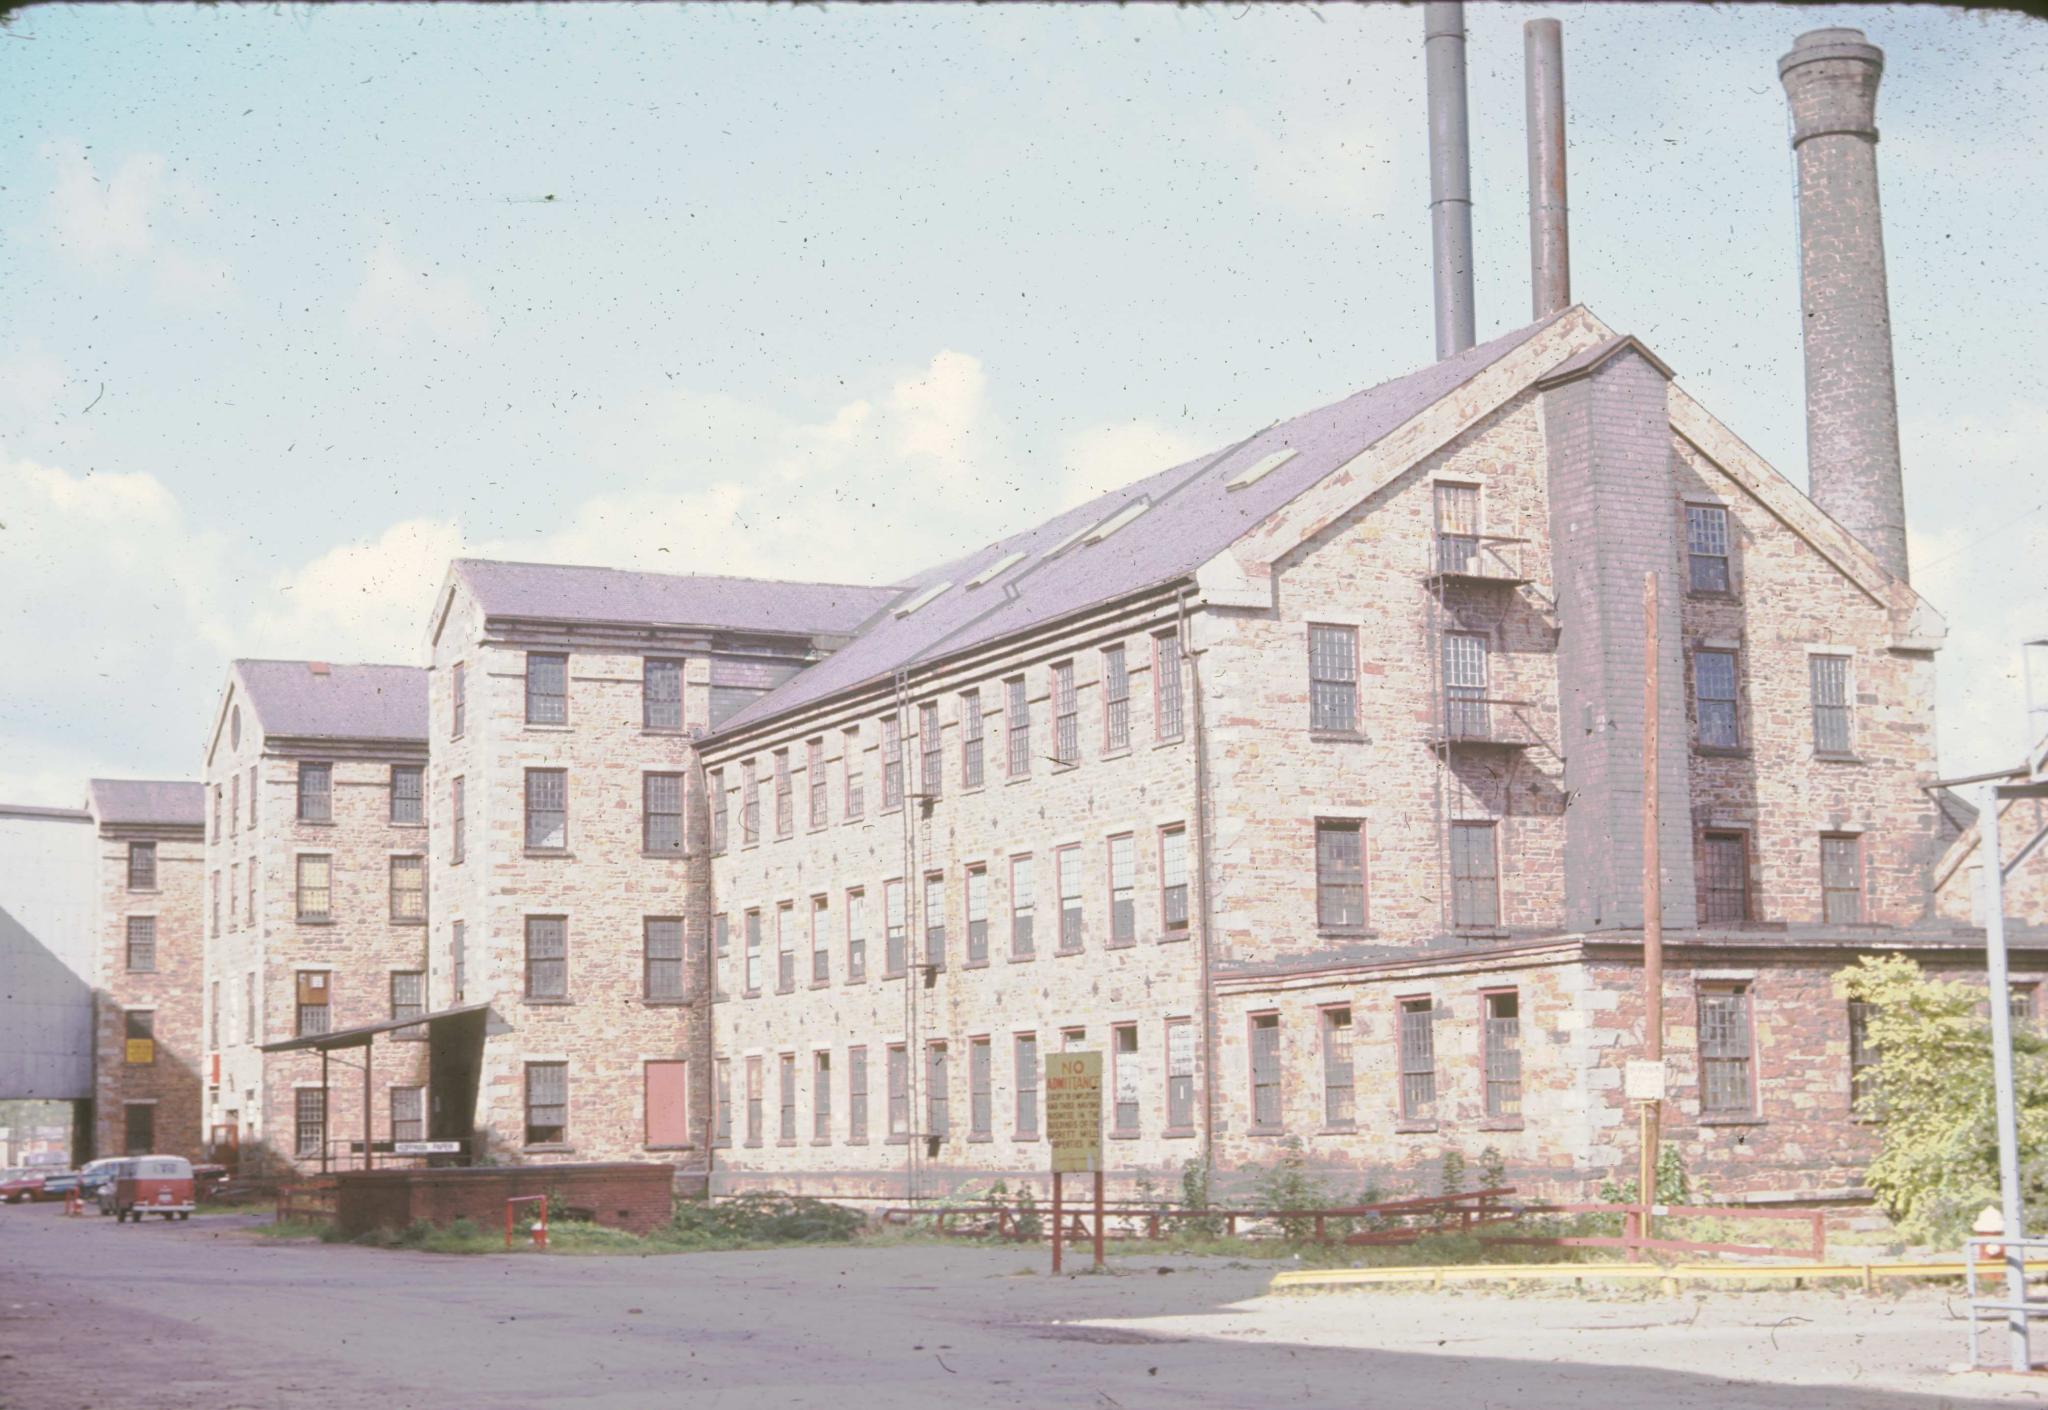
[1706, 543]
[1475, 877]
[814, 781]
[314, 995]
[547, 957]
[1726, 1076]
[1265, 1043]
[980, 1089]
[1123, 890]
[138, 1128]
[1333, 679]
[547, 1103]
[1180, 1075]
[315, 886]
[309, 1113]
[409, 1000]
[1338, 1090]
[1724, 878]
[142, 866]
[316, 793]
[408, 801]
[409, 888]
[1026, 1057]
[931, 751]
[856, 935]
[1017, 726]
[936, 1088]
[1066, 716]
[1023, 907]
[1116, 700]
[1833, 725]
[141, 943]
[1503, 1056]
[661, 694]
[139, 1034]
[1713, 688]
[892, 763]
[821, 1096]
[408, 1113]
[1067, 866]
[935, 920]
[971, 732]
[1166, 711]
[661, 797]
[662, 976]
[1126, 1081]
[895, 931]
[1418, 1059]
[1340, 875]
[547, 809]
[857, 1093]
[899, 1091]
[1457, 528]
[1841, 879]
[547, 688]
[977, 915]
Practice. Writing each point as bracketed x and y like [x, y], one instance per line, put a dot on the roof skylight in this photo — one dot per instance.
[1117, 521]
[1262, 467]
[996, 569]
[905, 609]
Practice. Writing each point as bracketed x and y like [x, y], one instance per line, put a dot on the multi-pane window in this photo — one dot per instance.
[977, 915]
[138, 1128]
[751, 978]
[814, 781]
[213, 1015]
[1340, 875]
[408, 800]
[750, 804]
[1333, 679]
[1023, 904]
[214, 836]
[785, 947]
[722, 1096]
[1265, 1036]
[458, 690]
[1339, 1090]
[937, 1107]
[821, 953]
[1025, 1054]
[935, 919]
[661, 694]
[139, 1030]
[1841, 878]
[785, 798]
[547, 688]
[1180, 1075]
[821, 1096]
[1066, 716]
[856, 789]
[547, 957]
[547, 809]
[1166, 712]
[1727, 1075]
[785, 1091]
[857, 1094]
[458, 957]
[408, 1114]
[1724, 878]
[1713, 690]
[895, 932]
[1832, 722]
[1466, 713]
[1123, 892]
[856, 935]
[234, 889]
[252, 795]
[234, 804]
[142, 866]
[1116, 700]
[1475, 876]
[1126, 1081]
[1417, 1042]
[661, 816]
[714, 783]
[931, 750]
[754, 1100]
[1017, 725]
[250, 898]
[249, 1024]
[409, 888]
[309, 1121]
[547, 1103]
[892, 762]
[316, 793]
[458, 832]
[1706, 544]
[141, 943]
[662, 964]
[315, 886]
[970, 739]
[409, 1000]
[1503, 1054]
[1457, 528]
[899, 1091]
[314, 993]
[1862, 1056]
[2023, 1004]
[213, 885]
[1067, 871]
[980, 1089]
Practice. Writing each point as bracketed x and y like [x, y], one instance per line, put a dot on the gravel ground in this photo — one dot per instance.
[206, 1315]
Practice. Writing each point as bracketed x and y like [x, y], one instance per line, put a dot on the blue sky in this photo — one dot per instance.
[301, 301]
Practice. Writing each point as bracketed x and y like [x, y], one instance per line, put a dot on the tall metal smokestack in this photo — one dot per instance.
[1450, 175]
[1550, 268]
[1852, 404]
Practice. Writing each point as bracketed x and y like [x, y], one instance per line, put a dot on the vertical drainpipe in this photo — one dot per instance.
[1202, 814]
[1550, 276]
[1450, 175]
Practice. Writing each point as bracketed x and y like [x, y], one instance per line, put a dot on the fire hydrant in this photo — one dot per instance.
[1989, 1223]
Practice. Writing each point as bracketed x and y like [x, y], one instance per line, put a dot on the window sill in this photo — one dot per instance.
[138, 969]
[1415, 1128]
[1168, 743]
[981, 1140]
[1503, 1123]
[1347, 932]
[1341, 1128]
[542, 1003]
[1017, 778]
[145, 891]
[1713, 594]
[1128, 943]
[750, 993]
[549, 1148]
[1174, 936]
[1480, 932]
[1106, 755]
[1744, 1119]
[753, 1145]
[1064, 954]
[420, 826]
[1266, 1133]
[1178, 1133]
[785, 1142]
[1820, 758]
[1721, 751]
[664, 732]
[665, 1004]
[314, 822]
[673, 855]
[551, 853]
[856, 1140]
[1024, 959]
[534, 727]
[302, 920]
[821, 1140]
[976, 964]
[896, 1141]
[892, 974]
[1126, 1135]
[824, 983]
[408, 920]
[1339, 736]
[856, 979]
[669, 1148]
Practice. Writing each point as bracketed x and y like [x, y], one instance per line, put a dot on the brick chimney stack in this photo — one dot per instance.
[1852, 408]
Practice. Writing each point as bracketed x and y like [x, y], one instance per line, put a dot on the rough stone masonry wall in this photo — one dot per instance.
[1961, 878]
[172, 990]
[1139, 791]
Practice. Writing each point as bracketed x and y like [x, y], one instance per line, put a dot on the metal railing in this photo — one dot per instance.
[1977, 1254]
[1135, 1220]
[311, 1199]
[1633, 1241]
[1487, 557]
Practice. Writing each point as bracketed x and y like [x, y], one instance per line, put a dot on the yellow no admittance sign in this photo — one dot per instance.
[1073, 1111]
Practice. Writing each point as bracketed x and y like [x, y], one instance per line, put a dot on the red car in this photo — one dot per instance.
[19, 1185]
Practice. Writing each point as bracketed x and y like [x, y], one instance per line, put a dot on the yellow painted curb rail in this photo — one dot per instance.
[1436, 1276]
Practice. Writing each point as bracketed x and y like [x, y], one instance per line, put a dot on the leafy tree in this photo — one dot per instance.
[1931, 1095]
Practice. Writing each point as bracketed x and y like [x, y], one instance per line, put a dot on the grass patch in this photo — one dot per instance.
[292, 1229]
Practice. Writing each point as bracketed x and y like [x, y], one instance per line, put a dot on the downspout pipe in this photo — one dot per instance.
[1550, 275]
[1450, 175]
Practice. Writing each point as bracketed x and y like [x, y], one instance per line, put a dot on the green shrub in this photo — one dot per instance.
[765, 1218]
[1290, 1184]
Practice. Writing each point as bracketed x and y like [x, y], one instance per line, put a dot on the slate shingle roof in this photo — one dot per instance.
[293, 699]
[566, 592]
[146, 800]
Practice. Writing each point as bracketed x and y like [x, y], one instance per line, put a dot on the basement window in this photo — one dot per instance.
[1262, 467]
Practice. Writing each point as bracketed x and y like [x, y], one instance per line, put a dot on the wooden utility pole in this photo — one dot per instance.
[1653, 914]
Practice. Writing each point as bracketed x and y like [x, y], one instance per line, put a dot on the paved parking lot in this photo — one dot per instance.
[205, 1315]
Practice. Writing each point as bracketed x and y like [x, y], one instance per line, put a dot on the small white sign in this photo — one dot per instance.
[1644, 1081]
[426, 1147]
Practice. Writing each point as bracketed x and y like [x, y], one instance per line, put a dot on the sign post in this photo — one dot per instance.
[1073, 1123]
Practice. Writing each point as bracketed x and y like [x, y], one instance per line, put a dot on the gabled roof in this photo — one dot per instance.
[561, 592]
[1183, 517]
[315, 700]
[146, 800]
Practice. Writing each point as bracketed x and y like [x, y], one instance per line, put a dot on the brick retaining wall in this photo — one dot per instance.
[636, 1197]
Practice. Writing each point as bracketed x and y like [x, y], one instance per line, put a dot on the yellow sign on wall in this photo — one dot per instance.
[141, 1052]
[1073, 1111]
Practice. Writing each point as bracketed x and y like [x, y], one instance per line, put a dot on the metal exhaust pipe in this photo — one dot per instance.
[1450, 174]
[1550, 271]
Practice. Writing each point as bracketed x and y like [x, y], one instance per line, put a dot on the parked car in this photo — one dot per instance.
[154, 1184]
[57, 1184]
[95, 1176]
[109, 1182]
[19, 1185]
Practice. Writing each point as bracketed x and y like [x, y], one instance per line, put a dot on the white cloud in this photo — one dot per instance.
[1110, 457]
[398, 301]
[117, 224]
[1340, 168]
